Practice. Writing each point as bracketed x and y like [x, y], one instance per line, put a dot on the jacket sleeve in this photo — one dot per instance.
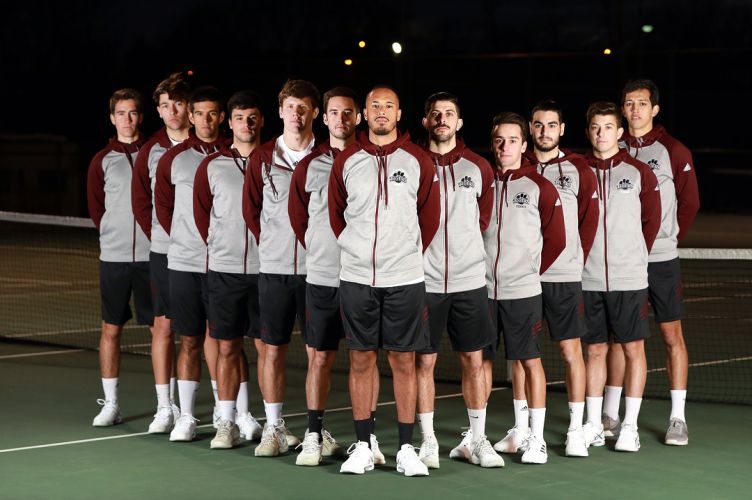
[587, 209]
[685, 184]
[95, 190]
[253, 194]
[429, 202]
[552, 225]
[650, 199]
[486, 198]
[164, 193]
[141, 195]
[203, 199]
[337, 197]
[297, 202]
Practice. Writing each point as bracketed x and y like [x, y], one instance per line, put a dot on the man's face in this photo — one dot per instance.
[547, 130]
[604, 133]
[341, 117]
[246, 124]
[382, 111]
[206, 118]
[637, 109]
[508, 144]
[298, 114]
[126, 119]
[442, 121]
[174, 113]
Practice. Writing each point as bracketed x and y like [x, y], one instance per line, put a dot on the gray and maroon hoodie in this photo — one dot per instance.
[308, 207]
[173, 199]
[218, 212]
[575, 182]
[671, 162]
[629, 219]
[526, 233]
[455, 261]
[384, 210]
[108, 189]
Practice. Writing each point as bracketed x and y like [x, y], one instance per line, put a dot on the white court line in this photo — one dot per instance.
[51, 333]
[45, 353]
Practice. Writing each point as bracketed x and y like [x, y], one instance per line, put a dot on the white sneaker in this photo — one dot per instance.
[329, 446]
[408, 462]
[611, 427]
[429, 452]
[311, 453]
[536, 452]
[514, 441]
[360, 460]
[483, 454]
[228, 436]
[292, 439]
[593, 435]
[273, 440]
[185, 429]
[175, 412]
[378, 457]
[108, 415]
[215, 416]
[163, 421]
[249, 427]
[677, 433]
[463, 449]
[629, 438]
[575, 445]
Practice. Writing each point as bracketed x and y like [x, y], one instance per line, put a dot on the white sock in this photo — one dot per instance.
[537, 419]
[163, 394]
[173, 383]
[187, 390]
[110, 387]
[242, 400]
[426, 424]
[678, 398]
[631, 410]
[273, 412]
[215, 391]
[477, 422]
[226, 410]
[611, 401]
[521, 414]
[594, 409]
[576, 410]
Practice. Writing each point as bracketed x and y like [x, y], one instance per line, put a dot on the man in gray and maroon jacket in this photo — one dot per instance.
[615, 277]
[672, 164]
[124, 247]
[233, 266]
[171, 97]
[384, 211]
[525, 236]
[187, 254]
[455, 269]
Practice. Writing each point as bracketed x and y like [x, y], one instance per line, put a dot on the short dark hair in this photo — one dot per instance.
[548, 105]
[383, 86]
[300, 89]
[508, 117]
[124, 95]
[440, 96]
[603, 108]
[244, 99]
[641, 84]
[206, 93]
[175, 86]
[341, 92]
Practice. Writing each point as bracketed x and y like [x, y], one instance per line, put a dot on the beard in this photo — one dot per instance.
[545, 149]
[440, 138]
[385, 129]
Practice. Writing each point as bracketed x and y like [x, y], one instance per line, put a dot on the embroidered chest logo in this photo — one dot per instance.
[398, 177]
[563, 182]
[625, 185]
[654, 165]
[521, 200]
[466, 182]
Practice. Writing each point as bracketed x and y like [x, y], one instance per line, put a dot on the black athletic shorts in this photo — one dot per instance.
[665, 290]
[233, 305]
[518, 321]
[324, 327]
[159, 279]
[392, 318]
[464, 315]
[564, 310]
[189, 303]
[117, 281]
[282, 299]
[622, 314]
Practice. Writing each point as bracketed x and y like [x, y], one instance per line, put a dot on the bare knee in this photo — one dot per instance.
[597, 351]
[425, 363]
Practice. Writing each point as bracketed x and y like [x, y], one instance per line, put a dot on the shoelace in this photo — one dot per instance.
[163, 412]
[104, 402]
[325, 436]
[309, 444]
[224, 429]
